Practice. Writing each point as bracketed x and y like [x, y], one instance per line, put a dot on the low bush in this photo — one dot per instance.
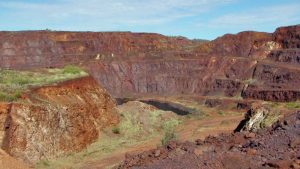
[169, 131]
[116, 130]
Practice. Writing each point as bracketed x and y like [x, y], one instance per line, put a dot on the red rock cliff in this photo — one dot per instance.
[52, 49]
[253, 65]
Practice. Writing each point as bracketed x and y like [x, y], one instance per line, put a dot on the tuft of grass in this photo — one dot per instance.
[116, 130]
[222, 113]
[293, 105]
[70, 69]
[45, 163]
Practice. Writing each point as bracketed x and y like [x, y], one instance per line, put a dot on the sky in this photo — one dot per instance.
[195, 19]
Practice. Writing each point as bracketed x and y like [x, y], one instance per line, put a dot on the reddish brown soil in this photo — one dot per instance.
[275, 147]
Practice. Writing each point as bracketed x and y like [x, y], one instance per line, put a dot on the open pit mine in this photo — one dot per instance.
[143, 100]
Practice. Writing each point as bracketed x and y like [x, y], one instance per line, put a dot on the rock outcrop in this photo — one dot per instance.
[258, 117]
[54, 120]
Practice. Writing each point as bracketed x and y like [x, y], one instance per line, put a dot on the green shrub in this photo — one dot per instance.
[169, 131]
[116, 130]
[222, 113]
[70, 69]
[168, 136]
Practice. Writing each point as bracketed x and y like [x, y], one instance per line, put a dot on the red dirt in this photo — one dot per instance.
[275, 147]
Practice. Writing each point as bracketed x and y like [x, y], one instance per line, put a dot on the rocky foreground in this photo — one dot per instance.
[274, 147]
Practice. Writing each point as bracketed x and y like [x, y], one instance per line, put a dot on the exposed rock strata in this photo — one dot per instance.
[34, 49]
[55, 120]
[128, 64]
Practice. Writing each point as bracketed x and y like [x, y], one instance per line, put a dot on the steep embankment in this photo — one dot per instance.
[54, 120]
[254, 65]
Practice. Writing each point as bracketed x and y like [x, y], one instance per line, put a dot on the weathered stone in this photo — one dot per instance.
[258, 117]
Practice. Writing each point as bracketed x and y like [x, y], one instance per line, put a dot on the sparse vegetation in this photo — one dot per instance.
[13, 83]
[45, 163]
[70, 69]
[222, 113]
[169, 131]
[293, 105]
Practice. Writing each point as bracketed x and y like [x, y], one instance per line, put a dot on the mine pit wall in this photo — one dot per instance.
[35, 49]
[276, 74]
[129, 64]
[56, 120]
[174, 77]
[254, 65]
[272, 95]
[288, 56]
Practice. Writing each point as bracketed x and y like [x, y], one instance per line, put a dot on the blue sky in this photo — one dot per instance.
[205, 19]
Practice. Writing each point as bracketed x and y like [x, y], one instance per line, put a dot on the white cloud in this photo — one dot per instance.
[271, 15]
[115, 11]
